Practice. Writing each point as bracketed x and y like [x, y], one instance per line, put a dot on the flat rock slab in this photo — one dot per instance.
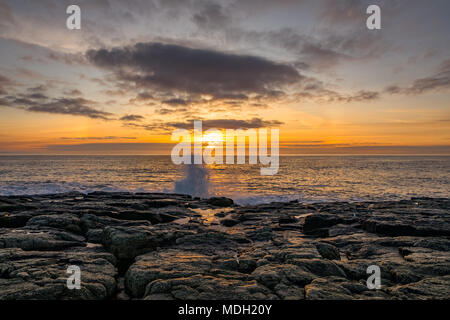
[43, 275]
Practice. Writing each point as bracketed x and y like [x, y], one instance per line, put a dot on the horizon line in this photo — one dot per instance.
[281, 155]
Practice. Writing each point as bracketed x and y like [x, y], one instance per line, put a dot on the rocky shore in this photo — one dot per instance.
[168, 246]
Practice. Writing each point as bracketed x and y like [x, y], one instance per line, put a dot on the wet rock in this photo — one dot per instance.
[318, 221]
[229, 222]
[287, 220]
[207, 288]
[440, 244]
[261, 234]
[270, 275]
[161, 203]
[301, 250]
[164, 265]
[30, 239]
[220, 202]
[94, 235]
[67, 222]
[212, 238]
[129, 242]
[91, 221]
[328, 251]
[240, 264]
[43, 275]
[318, 267]
[14, 206]
[336, 288]
[14, 220]
[436, 288]
[289, 292]
[425, 222]
[389, 228]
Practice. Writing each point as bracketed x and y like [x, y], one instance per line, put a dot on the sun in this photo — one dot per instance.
[213, 138]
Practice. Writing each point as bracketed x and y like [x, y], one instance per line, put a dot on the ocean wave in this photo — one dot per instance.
[36, 188]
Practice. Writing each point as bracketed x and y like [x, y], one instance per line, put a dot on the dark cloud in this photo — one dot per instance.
[362, 95]
[36, 96]
[227, 124]
[132, 117]
[394, 89]
[312, 89]
[144, 96]
[167, 127]
[156, 126]
[176, 102]
[170, 68]
[39, 102]
[164, 111]
[72, 106]
[326, 49]
[436, 82]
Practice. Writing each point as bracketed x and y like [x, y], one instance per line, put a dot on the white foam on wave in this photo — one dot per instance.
[36, 188]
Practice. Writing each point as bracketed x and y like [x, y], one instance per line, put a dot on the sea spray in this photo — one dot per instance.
[196, 181]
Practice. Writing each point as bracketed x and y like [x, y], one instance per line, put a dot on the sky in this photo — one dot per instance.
[139, 69]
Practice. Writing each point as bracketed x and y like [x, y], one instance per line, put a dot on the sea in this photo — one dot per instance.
[308, 178]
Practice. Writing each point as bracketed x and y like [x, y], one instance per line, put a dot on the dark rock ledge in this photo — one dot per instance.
[168, 246]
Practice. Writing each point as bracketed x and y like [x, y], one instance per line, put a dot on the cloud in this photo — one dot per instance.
[166, 127]
[132, 117]
[211, 17]
[73, 92]
[39, 102]
[321, 57]
[99, 138]
[176, 102]
[164, 111]
[174, 68]
[4, 82]
[436, 82]
[227, 124]
[362, 95]
[312, 89]
[142, 96]
[67, 58]
[320, 51]
[72, 106]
